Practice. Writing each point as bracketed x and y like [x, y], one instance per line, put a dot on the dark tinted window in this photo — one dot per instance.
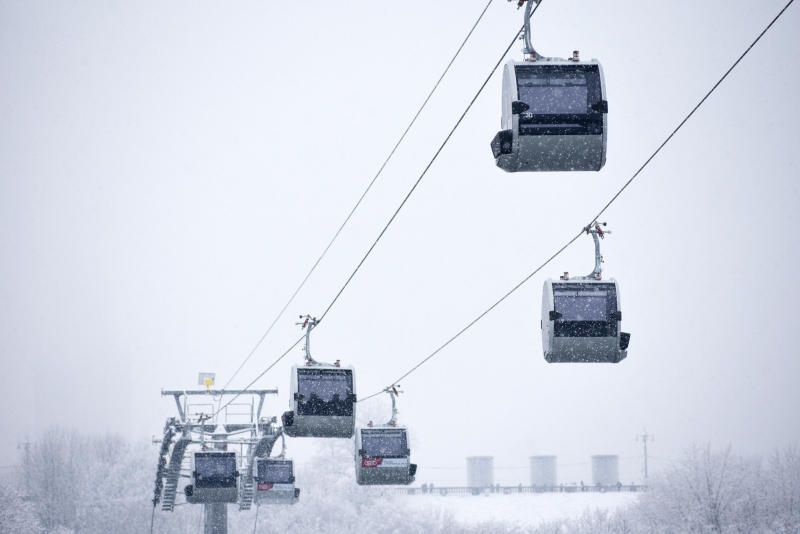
[325, 391]
[215, 470]
[275, 472]
[582, 306]
[587, 310]
[384, 443]
[558, 89]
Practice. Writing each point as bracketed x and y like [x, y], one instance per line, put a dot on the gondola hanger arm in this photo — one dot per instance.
[308, 323]
[393, 391]
[283, 445]
[530, 52]
[597, 231]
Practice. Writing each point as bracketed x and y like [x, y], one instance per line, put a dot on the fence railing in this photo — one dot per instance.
[431, 489]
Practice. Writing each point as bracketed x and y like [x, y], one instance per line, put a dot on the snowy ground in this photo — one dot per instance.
[525, 509]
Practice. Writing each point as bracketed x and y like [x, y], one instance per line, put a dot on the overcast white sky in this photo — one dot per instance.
[169, 171]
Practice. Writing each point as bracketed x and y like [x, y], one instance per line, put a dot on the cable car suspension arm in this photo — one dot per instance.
[308, 325]
[393, 392]
[597, 233]
[530, 7]
[283, 445]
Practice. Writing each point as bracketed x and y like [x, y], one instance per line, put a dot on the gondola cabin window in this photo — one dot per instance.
[325, 392]
[214, 470]
[384, 443]
[276, 472]
[585, 310]
[557, 89]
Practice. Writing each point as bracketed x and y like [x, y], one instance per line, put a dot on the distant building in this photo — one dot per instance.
[544, 471]
[480, 471]
[605, 469]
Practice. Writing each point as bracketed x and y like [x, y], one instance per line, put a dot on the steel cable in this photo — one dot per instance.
[361, 198]
[397, 211]
[600, 213]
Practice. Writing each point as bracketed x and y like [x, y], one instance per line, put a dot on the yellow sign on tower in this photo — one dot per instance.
[206, 379]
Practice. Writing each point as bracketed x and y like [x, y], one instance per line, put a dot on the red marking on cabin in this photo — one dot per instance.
[371, 462]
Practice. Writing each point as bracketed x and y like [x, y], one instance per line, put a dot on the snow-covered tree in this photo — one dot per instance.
[76, 484]
[17, 515]
[782, 491]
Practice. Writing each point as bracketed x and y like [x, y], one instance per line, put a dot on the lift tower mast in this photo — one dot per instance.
[644, 438]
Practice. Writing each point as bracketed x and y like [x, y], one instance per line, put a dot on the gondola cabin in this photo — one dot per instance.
[554, 116]
[383, 457]
[214, 478]
[323, 402]
[274, 481]
[582, 320]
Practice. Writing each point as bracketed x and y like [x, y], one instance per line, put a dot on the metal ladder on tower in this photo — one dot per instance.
[166, 441]
[174, 474]
[247, 488]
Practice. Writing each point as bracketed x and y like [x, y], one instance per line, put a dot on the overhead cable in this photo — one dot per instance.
[399, 208]
[598, 215]
[361, 198]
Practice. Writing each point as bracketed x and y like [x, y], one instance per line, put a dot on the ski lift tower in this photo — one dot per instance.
[213, 442]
